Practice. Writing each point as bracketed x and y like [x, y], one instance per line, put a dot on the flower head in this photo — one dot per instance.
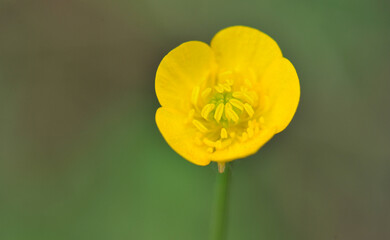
[224, 101]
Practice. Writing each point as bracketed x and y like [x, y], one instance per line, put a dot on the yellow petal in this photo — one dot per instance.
[180, 137]
[181, 71]
[244, 47]
[243, 149]
[281, 85]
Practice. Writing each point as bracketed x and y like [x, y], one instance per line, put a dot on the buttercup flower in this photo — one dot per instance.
[224, 101]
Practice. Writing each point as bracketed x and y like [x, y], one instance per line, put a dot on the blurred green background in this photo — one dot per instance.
[81, 156]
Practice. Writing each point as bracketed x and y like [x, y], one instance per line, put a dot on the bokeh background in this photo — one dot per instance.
[81, 157]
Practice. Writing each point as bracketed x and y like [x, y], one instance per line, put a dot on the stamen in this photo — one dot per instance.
[230, 113]
[221, 104]
[207, 110]
[223, 133]
[218, 144]
[248, 98]
[195, 95]
[206, 92]
[244, 137]
[238, 95]
[227, 115]
[226, 143]
[251, 123]
[249, 109]
[230, 81]
[250, 132]
[208, 142]
[199, 126]
[261, 119]
[219, 88]
[243, 96]
[227, 87]
[237, 103]
[224, 74]
[218, 112]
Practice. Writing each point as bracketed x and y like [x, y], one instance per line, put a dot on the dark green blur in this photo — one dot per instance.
[81, 157]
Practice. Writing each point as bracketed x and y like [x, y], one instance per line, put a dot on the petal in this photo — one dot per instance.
[182, 69]
[172, 125]
[243, 149]
[280, 84]
[243, 47]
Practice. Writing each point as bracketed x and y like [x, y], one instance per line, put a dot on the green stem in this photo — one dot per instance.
[219, 217]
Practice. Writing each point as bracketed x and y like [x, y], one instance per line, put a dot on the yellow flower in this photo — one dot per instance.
[224, 101]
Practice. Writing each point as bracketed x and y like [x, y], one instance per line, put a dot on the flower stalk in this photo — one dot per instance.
[219, 217]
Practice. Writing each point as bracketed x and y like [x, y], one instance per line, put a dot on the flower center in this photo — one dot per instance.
[225, 110]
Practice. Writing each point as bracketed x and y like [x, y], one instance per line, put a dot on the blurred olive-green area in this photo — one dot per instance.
[82, 158]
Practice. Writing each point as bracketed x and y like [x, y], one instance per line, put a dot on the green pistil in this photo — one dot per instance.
[221, 98]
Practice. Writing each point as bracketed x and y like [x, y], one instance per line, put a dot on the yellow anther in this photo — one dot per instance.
[238, 95]
[199, 126]
[230, 81]
[249, 109]
[233, 116]
[224, 133]
[219, 88]
[250, 123]
[208, 142]
[195, 95]
[205, 93]
[232, 134]
[261, 119]
[237, 103]
[250, 132]
[218, 144]
[244, 137]
[248, 98]
[226, 143]
[218, 112]
[207, 110]
[210, 150]
[244, 96]
[230, 113]
[226, 87]
[227, 115]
